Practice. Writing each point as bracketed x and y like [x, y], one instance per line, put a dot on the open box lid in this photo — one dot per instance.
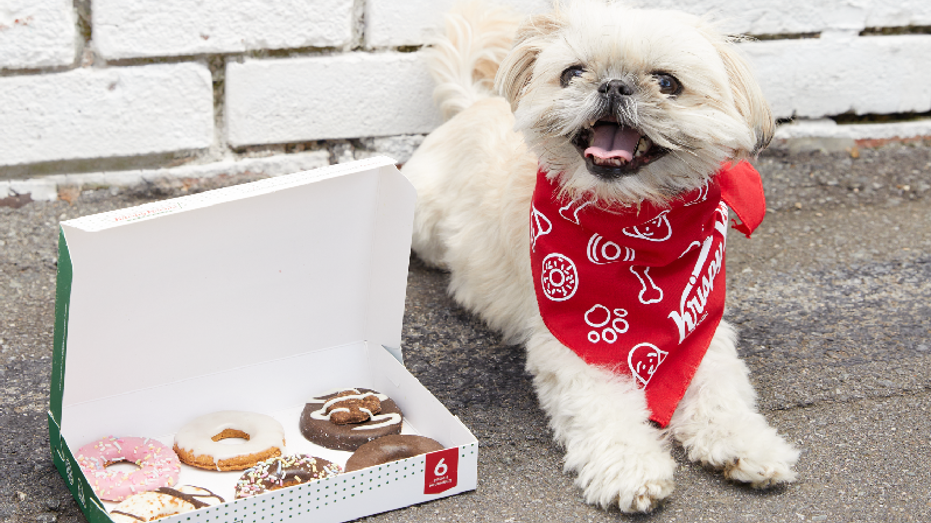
[202, 284]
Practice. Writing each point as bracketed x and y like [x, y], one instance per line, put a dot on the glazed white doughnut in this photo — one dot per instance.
[198, 443]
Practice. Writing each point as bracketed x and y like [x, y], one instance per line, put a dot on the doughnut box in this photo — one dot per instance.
[256, 298]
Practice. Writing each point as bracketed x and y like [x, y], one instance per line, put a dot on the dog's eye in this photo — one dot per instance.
[668, 84]
[569, 74]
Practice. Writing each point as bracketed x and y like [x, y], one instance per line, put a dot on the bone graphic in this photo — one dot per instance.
[608, 252]
[571, 210]
[691, 246]
[643, 361]
[540, 225]
[649, 292]
[655, 230]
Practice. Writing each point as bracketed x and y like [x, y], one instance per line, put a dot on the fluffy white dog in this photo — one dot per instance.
[617, 108]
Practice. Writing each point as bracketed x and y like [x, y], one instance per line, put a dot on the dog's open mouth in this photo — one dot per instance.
[611, 150]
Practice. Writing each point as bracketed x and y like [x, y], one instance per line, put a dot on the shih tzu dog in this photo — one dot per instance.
[579, 194]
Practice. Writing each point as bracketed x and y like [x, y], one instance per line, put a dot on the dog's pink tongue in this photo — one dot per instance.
[613, 141]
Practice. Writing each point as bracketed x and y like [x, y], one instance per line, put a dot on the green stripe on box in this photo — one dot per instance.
[74, 478]
[62, 304]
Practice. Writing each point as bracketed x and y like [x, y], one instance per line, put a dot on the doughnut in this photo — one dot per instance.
[390, 448]
[164, 502]
[283, 471]
[158, 466]
[198, 443]
[321, 418]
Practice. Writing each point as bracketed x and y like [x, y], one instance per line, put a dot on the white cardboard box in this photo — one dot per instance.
[255, 297]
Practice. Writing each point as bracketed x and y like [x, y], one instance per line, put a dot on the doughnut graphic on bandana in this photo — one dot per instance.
[559, 277]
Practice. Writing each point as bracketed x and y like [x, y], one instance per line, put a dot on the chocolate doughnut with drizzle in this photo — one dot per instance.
[163, 502]
[346, 419]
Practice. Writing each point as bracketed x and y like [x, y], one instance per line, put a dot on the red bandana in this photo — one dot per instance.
[640, 290]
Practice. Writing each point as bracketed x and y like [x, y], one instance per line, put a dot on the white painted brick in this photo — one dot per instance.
[141, 28]
[801, 16]
[37, 33]
[113, 112]
[394, 23]
[827, 128]
[841, 73]
[899, 13]
[342, 96]
[390, 23]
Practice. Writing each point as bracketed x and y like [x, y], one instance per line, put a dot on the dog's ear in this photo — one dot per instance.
[517, 68]
[748, 97]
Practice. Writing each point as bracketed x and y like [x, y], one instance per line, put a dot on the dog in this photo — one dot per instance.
[609, 111]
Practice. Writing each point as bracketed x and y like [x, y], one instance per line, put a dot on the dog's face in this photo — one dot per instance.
[629, 105]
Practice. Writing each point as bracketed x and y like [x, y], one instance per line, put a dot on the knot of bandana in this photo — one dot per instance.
[640, 290]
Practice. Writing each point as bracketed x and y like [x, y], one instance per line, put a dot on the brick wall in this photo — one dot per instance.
[124, 87]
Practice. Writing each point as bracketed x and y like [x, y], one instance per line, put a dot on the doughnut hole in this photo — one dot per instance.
[122, 465]
[231, 437]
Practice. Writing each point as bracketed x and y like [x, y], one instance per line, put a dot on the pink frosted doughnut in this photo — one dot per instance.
[158, 466]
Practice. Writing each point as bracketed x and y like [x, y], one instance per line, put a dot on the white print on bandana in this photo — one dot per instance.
[643, 361]
[608, 252]
[600, 316]
[540, 225]
[702, 195]
[572, 208]
[694, 296]
[655, 230]
[649, 292]
[559, 277]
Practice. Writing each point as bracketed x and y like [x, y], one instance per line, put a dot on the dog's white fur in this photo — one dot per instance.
[475, 176]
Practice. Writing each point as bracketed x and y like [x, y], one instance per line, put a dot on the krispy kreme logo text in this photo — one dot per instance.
[701, 282]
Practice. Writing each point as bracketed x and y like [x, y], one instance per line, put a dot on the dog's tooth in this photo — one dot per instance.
[643, 146]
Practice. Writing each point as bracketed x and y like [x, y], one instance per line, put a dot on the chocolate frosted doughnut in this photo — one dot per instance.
[319, 424]
[390, 448]
[281, 472]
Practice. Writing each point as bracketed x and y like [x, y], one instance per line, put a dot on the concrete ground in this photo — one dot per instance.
[832, 297]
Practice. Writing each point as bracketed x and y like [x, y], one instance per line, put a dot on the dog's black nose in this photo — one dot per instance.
[615, 89]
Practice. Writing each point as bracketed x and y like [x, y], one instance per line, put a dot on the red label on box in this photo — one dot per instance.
[442, 471]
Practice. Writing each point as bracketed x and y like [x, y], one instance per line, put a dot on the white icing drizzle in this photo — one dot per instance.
[322, 415]
[264, 432]
[389, 419]
[380, 420]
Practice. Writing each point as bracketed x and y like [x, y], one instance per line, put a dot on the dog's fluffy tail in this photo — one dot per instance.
[464, 61]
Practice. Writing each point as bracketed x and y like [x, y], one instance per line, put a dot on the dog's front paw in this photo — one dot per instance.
[748, 452]
[764, 466]
[632, 481]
